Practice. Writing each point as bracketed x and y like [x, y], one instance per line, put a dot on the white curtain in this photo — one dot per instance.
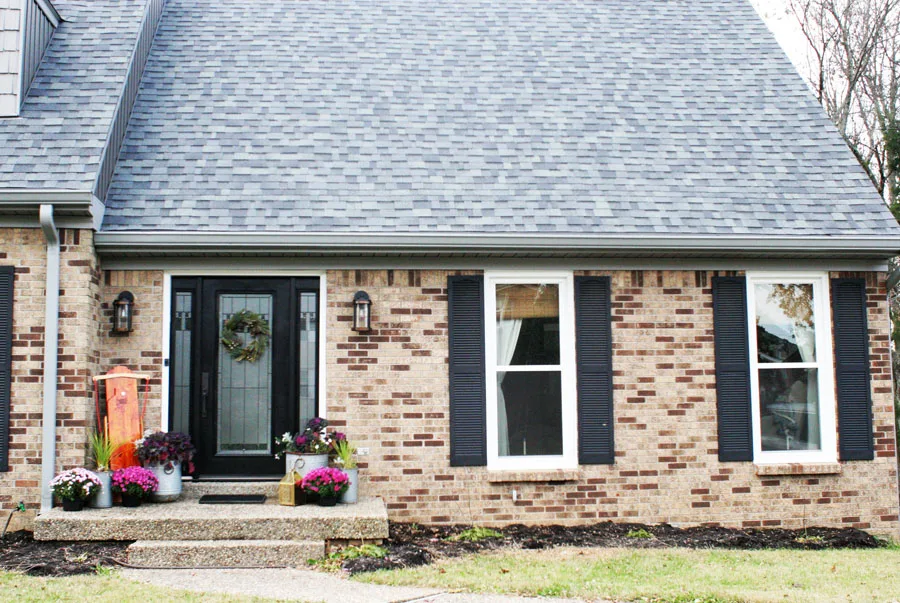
[507, 336]
[805, 338]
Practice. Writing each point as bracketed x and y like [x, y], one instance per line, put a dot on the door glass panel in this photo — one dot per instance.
[309, 325]
[182, 324]
[244, 388]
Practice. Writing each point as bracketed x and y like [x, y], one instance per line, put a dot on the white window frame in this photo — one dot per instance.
[569, 400]
[824, 364]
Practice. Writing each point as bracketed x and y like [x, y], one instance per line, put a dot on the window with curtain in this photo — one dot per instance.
[791, 372]
[531, 405]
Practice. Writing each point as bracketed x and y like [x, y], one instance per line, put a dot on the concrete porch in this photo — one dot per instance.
[187, 534]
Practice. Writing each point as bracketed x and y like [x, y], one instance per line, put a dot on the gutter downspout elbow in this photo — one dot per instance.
[51, 355]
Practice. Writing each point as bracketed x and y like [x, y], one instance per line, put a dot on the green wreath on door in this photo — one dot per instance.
[245, 321]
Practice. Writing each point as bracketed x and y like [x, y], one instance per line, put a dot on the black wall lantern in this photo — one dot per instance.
[123, 310]
[362, 312]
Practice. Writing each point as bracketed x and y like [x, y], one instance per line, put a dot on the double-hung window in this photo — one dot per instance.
[791, 373]
[530, 371]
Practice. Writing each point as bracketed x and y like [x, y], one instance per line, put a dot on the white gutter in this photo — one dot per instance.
[136, 242]
[51, 351]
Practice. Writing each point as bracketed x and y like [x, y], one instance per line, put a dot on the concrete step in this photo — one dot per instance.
[186, 519]
[223, 553]
[198, 489]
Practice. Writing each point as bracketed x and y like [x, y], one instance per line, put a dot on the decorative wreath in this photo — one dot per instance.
[245, 321]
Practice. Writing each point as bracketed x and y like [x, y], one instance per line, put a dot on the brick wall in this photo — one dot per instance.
[26, 250]
[141, 350]
[390, 389]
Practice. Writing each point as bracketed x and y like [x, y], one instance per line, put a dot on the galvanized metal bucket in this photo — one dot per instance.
[169, 476]
[103, 498]
[304, 463]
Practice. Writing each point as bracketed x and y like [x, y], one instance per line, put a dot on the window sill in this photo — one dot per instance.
[542, 476]
[799, 469]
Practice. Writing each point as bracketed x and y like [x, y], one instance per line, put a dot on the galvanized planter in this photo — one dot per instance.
[169, 476]
[103, 498]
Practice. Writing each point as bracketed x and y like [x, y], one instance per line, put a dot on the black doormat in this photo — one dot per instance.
[233, 499]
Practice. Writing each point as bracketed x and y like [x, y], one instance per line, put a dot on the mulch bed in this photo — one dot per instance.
[19, 552]
[412, 544]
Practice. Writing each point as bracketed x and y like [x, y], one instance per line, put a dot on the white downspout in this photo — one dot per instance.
[51, 352]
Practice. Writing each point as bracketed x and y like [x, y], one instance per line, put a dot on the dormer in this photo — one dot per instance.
[26, 27]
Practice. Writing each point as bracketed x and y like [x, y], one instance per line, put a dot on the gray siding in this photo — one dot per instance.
[38, 31]
[9, 57]
[129, 93]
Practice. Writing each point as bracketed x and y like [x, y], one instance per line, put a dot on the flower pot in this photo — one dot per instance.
[327, 501]
[130, 501]
[72, 505]
[103, 498]
[304, 463]
[351, 494]
[169, 476]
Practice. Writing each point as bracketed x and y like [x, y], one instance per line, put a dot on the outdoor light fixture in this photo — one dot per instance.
[123, 309]
[362, 315]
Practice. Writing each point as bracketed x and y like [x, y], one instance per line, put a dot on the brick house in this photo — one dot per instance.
[621, 265]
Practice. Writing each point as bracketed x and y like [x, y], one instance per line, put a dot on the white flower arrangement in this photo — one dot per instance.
[75, 484]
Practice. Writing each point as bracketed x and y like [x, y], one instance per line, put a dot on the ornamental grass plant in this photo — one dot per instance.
[102, 449]
[346, 454]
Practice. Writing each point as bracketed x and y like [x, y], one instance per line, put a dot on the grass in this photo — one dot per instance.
[668, 575]
[103, 587]
[333, 561]
[475, 534]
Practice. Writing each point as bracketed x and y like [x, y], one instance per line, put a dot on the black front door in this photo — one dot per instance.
[236, 408]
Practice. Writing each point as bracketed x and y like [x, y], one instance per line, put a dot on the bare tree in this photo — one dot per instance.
[854, 69]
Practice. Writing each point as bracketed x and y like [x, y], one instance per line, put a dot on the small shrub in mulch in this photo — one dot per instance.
[412, 544]
[19, 552]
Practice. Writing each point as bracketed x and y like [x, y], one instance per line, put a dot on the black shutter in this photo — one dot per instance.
[6, 327]
[851, 348]
[593, 349]
[468, 445]
[732, 368]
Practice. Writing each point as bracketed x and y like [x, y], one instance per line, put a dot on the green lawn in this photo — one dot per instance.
[107, 588]
[668, 575]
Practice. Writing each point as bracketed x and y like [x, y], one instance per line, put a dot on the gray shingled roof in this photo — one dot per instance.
[557, 116]
[58, 140]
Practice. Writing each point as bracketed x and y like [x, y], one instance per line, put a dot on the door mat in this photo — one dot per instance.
[233, 499]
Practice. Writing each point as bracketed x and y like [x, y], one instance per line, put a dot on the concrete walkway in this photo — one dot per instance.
[309, 586]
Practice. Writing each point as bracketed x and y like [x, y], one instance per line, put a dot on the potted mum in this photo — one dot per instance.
[102, 449]
[327, 484]
[163, 452]
[134, 484]
[346, 459]
[307, 450]
[75, 486]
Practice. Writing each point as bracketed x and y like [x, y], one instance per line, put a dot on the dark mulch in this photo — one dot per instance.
[413, 544]
[19, 552]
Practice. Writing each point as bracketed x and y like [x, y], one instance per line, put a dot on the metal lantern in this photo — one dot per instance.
[362, 312]
[123, 310]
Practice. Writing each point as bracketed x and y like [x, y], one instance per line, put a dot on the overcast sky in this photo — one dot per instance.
[779, 19]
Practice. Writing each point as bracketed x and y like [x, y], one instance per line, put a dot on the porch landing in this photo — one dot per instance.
[185, 533]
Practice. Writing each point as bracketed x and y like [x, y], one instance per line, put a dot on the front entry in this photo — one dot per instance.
[234, 409]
